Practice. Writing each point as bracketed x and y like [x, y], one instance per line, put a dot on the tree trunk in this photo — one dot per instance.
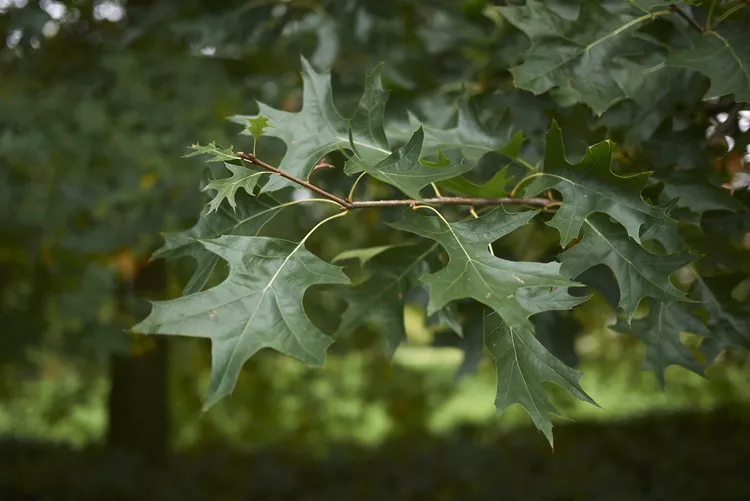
[138, 404]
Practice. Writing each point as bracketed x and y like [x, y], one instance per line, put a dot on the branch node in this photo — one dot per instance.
[692, 22]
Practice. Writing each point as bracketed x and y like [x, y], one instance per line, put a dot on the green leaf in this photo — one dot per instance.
[380, 299]
[494, 188]
[257, 126]
[258, 306]
[403, 168]
[447, 316]
[251, 215]
[697, 193]
[472, 272]
[576, 58]
[523, 364]
[660, 332]
[639, 273]
[226, 188]
[590, 186]
[216, 153]
[728, 319]
[318, 128]
[722, 54]
[366, 254]
[467, 141]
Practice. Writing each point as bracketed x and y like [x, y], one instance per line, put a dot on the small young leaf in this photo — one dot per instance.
[227, 187]
[216, 153]
[257, 126]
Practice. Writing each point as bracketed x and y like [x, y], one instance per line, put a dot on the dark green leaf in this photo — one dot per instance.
[660, 332]
[403, 168]
[523, 364]
[318, 128]
[722, 54]
[258, 306]
[576, 58]
[639, 273]
[590, 186]
[251, 215]
[728, 319]
[380, 299]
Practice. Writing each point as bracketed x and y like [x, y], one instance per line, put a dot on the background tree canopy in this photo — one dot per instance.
[615, 134]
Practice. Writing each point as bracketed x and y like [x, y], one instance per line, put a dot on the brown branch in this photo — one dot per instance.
[692, 22]
[540, 202]
[347, 205]
[249, 157]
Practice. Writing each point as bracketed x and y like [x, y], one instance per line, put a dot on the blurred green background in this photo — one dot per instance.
[98, 102]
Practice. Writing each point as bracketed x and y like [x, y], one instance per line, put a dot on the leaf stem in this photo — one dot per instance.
[350, 205]
[530, 176]
[730, 12]
[354, 186]
[321, 223]
[710, 15]
[476, 216]
[295, 202]
[435, 189]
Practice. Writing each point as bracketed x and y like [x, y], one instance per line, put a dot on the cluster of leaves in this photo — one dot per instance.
[593, 54]
[650, 76]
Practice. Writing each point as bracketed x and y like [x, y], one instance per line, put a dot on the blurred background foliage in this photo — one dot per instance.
[98, 102]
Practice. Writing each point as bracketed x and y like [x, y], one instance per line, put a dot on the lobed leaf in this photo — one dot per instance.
[590, 186]
[318, 128]
[226, 188]
[660, 331]
[508, 288]
[722, 54]
[728, 319]
[639, 273]
[379, 300]
[249, 218]
[259, 305]
[577, 57]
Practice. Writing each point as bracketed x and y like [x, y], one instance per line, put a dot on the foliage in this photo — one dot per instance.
[602, 217]
[503, 152]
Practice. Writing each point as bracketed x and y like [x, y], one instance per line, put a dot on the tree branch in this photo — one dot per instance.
[249, 157]
[692, 22]
[473, 202]
[348, 205]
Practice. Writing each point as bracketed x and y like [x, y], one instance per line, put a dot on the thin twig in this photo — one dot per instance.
[349, 205]
[260, 163]
[692, 22]
[539, 202]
